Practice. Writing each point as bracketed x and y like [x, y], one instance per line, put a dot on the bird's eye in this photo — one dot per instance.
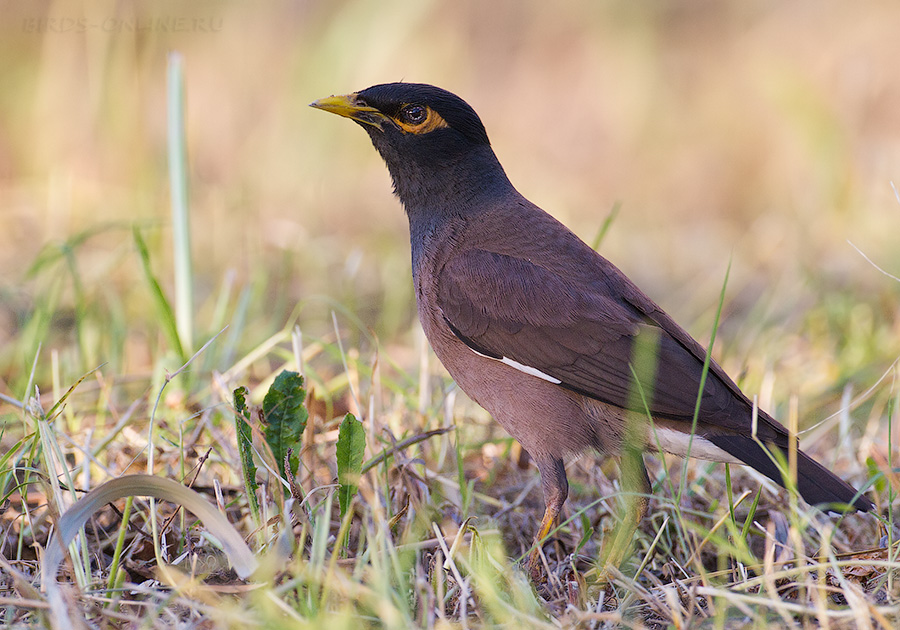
[414, 114]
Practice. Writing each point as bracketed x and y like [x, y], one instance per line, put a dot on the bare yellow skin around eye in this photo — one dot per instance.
[432, 121]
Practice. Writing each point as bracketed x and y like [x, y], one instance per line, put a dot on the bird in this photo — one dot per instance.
[547, 335]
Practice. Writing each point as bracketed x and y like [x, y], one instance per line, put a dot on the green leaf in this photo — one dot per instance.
[351, 446]
[875, 473]
[245, 448]
[285, 416]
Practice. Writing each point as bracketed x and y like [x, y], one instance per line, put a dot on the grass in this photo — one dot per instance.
[115, 359]
[435, 526]
[412, 558]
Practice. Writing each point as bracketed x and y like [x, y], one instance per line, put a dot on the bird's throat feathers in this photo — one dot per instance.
[442, 179]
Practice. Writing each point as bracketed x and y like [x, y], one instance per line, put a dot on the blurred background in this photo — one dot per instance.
[764, 135]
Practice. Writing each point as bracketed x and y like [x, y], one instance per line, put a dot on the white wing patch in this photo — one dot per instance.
[529, 370]
[676, 443]
[526, 369]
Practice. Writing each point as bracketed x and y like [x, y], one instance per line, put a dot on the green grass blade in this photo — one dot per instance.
[163, 307]
[181, 219]
[703, 375]
[245, 449]
[604, 228]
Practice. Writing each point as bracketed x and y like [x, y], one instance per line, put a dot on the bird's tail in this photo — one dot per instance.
[816, 484]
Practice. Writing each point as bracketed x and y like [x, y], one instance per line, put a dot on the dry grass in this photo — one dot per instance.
[766, 135]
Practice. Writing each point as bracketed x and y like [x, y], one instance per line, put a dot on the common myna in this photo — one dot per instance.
[551, 338]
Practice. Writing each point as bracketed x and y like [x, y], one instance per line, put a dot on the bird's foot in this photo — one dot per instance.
[534, 564]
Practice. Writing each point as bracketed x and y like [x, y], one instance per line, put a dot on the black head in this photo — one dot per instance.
[410, 108]
[433, 142]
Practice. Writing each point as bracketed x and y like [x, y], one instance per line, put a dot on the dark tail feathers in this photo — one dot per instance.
[817, 485]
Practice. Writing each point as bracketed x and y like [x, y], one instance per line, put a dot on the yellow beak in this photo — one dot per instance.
[349, 106]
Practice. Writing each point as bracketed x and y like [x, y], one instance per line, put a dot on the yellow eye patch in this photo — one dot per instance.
[432, 121]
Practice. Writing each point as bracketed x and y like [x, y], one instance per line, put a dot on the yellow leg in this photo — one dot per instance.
[556, 489]
[535, 570]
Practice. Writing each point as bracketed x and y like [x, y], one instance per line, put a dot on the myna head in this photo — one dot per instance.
[433, 142]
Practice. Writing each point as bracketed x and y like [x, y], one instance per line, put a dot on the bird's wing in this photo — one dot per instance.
[592, 330]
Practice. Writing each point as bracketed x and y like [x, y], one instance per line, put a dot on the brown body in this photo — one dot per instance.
[547, 335]
[548, 422]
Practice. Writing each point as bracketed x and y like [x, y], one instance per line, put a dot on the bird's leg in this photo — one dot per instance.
[635, 491]
[556, 489]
